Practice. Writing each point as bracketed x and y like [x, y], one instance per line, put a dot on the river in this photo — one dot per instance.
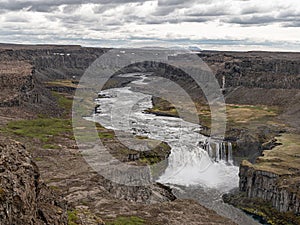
[192, 171]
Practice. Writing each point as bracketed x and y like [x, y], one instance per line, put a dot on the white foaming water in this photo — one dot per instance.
[188, 163]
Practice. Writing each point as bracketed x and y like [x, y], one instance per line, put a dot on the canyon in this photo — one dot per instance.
[262, 94]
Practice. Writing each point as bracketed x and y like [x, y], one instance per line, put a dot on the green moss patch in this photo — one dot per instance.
[63, 101]
[42, 128]
[62, 83]
[73, 218]
[284, 159]
[132, 220]
[51, 146]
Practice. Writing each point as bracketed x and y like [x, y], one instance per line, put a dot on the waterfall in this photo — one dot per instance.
[218, 150]
[223, 83]
[230, 160]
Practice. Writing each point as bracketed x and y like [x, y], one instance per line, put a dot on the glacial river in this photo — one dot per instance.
[192, 172]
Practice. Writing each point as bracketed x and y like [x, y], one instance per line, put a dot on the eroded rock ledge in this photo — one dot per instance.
[24, 199]
[17, 84]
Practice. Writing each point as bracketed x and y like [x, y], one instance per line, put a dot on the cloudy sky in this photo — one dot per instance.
[208, 24]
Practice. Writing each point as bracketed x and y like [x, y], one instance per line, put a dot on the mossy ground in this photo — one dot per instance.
[73, 218]
[246, 114]
[43, 129]
[62, 83]
[122, 220]
[284, 158]
[64, 101]
[239, 116]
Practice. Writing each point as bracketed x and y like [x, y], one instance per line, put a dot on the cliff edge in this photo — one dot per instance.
[24, 199]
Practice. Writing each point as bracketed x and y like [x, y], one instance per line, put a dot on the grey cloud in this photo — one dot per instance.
[166, 7]
[289, 14]
[113, 23]
[209, 12]
[251, 10]
[175, 2]
[46, 5]
[291, 21]
[195, 20]
[103, 8]
[72, 19]
[170, 2]
[252, 20]
[164, 11]
[42, 8]
[70, 8]
[292, 24]
[75, 21]
[164, 20]
[285, 18]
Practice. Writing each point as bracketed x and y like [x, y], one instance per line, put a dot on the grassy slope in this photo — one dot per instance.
[237, 116]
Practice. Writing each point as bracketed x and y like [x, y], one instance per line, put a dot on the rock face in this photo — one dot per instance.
[22, 92]
[255, 69]
[250, 144]
[17, 84]
[24, 199]
[53, 62]
[270, 187]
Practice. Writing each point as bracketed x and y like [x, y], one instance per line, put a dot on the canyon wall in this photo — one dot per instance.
[53, 62]
[255, 69]
[271, 187]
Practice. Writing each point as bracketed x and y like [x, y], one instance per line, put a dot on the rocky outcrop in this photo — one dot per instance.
[17, 84]
[22, 94]
[24, 199]
[269, 186]
[250, 144]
